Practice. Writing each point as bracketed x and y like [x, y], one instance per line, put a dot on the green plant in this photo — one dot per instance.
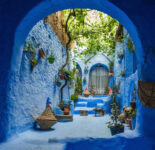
[67, 104]
[115, 116]
[29, 47]
[51, 59]
[111, 64]
[74, 97]
[122, 73]
[33, 62]
[107, 89]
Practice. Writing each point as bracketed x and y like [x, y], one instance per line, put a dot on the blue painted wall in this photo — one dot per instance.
[18, 17]
[29, 90]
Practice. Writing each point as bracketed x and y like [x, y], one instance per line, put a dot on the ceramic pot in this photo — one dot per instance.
[42, 53]
[115, 131]
[62, 77]
[66, 111]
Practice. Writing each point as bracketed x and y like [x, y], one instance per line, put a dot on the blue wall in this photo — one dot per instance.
[18, 17]
[29, 90]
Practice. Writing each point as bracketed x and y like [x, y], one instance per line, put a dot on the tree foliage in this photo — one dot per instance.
[93, 36]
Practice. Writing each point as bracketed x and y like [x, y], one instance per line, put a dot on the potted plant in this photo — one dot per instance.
[133, 100]
[33, 63]
[57, 82]
[133, 118]
[106, 90]
[115, 126]
[74, 98]
[92, 91]
[111, 65]
[51, 59]
[61, 105]
[122, 74]
[86, 93]
[67, 107]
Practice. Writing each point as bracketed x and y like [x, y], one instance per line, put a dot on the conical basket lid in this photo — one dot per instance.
[47, 115]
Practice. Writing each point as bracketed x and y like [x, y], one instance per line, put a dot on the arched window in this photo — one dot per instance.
[98, 79]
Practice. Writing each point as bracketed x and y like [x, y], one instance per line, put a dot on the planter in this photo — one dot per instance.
[129, 123]
[42, 53]
[133, 121]
[93, 92]
[115, 131]
[133, 104]
[46, 120]
[62, 77]
[66, 111]
[110, 74]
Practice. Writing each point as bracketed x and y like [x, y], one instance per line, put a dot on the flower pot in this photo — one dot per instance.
[133, 121]
[110, 74]
[117, 130]
[62, 77]
[58, 84]
[66, 111]
[129, 123]
[133, 104]
[42, 53]
[93, 92]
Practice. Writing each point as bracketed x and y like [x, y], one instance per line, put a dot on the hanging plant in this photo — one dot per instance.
[57, 81]
[51, 59]
[33, 63]
[29, 48]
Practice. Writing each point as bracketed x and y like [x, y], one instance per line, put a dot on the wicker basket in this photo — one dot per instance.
[86, 93]
[146, 93]
[46, 120]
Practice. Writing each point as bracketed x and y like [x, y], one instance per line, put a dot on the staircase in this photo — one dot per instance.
[89, 103]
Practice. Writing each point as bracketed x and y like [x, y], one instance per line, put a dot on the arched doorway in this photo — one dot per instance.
[98, 79]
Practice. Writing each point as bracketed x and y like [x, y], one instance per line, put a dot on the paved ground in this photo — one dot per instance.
[82, 127]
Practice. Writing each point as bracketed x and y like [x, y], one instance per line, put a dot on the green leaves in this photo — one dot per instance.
[95, 36]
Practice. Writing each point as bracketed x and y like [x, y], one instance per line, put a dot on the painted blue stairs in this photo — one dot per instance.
[89, 104]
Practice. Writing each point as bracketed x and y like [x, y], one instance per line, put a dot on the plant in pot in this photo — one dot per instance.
[57, 81]
[133, 118]
[62, 73]
[92, 89]
[122, 74]
[133, 99]
[61, 105]
[74, 98]
[67, 107]
[111, 65]
[115, 126]
[51, 59]
[106, 90]
[33, 63]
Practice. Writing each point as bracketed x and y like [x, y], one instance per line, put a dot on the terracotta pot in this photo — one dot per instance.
[110, 74]
[42, 53]
[62, 77]
[129, 123]
[66, 111]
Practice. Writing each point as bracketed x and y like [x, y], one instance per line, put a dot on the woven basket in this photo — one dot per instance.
[146, 93]
[46, 120]
[86, 93]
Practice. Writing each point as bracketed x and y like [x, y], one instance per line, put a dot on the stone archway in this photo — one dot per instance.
[45, 8]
